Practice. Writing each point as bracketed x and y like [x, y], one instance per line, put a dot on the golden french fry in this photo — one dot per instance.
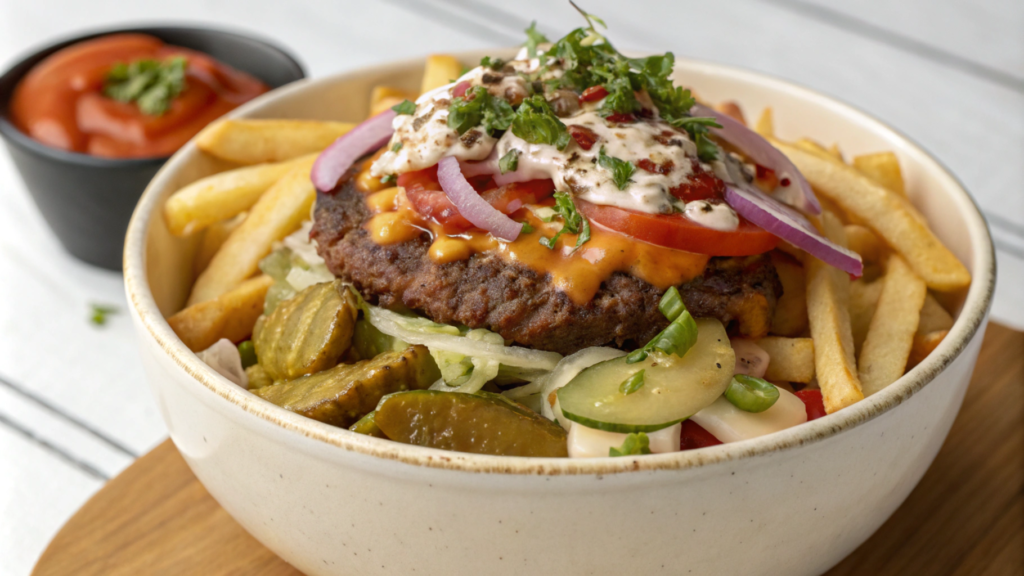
[790, 317]
[256, 141]
[836, 152]
[276, 214]
[934, 317]
[213, 239]
[231, 315]
[864, 242]
[886, 213]
[733, 110]
[884, 168]
[863, 300]
[440, 69]
[924, 344]
[384, 97]
[225, 195]
[813, 147]
[828, 293]
[765, 125]
[791, 359]
[883, 357]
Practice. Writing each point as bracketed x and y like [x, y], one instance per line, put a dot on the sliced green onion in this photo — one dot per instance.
[677, 338]
[751, 394]
[671, 304]
[635, 443]
[632, 384]
[248, 353]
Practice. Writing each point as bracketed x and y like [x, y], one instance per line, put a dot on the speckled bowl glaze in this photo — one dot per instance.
[332, 502]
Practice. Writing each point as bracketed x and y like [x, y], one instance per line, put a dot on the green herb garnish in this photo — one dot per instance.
[636, 443]
[536, 123]
[479, 108]
[572, 222]
[388, 179]
[678, 337]
[533, 38]
[100, 312]
[751, 394]
[509, 162]
[492, 63]
[621, 170]
[151, 84]
[405, 107]
[527, 228]
[632, 384]
[396, 147]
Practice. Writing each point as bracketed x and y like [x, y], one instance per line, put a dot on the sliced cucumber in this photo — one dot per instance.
[674, 388]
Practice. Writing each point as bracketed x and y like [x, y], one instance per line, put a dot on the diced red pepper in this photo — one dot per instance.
[593, 94]
[813, 403]
[584, 136]
[621, 118]
[694, 436]
[649, 165]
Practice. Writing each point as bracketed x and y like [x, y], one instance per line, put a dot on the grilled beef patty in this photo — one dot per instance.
[521, 304]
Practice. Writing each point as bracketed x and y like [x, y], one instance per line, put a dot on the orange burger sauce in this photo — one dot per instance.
[60, 102]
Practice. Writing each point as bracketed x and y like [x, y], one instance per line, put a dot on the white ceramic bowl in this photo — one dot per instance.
[332, 502]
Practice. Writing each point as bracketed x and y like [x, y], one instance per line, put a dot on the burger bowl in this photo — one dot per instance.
[330, 501]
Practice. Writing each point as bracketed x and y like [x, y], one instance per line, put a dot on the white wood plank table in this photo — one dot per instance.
[74, 408]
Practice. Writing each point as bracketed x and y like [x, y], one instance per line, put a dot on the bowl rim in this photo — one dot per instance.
[19, 138]
[971, 319]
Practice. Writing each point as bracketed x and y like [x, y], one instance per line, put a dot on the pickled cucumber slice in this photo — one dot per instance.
[674, 388]
[342, 395]
[368, 425]
[307, 333]
[481, 423]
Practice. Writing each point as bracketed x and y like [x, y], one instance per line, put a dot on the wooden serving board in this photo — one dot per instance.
[965, 517]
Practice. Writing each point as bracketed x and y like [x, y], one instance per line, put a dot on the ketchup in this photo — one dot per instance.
[60, 102]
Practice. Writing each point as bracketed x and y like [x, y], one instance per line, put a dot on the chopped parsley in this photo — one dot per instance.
[572, 222]
[509, 162]
[151, 84]
[479, 108]
[405, 107]
[533, 39]
[388, 179]
[396, 147]
[636, 443]
[99, 313]
[536, 123]
[492, 63]
[527, 228]
[621, 170]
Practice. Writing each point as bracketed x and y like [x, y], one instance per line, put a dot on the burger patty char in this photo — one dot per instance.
[522, 304]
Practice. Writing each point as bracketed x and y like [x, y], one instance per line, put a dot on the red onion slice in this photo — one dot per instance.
[337, 158]
[471, 205]
[762, 152]
[788, 224]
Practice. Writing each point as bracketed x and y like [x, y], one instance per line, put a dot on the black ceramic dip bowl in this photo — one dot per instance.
[88, 200]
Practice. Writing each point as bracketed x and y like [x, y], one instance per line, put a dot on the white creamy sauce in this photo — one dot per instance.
[425, 138]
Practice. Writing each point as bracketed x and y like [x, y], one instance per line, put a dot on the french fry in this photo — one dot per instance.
[256, 141]
[384, 97]
[884, 168]
[886, 213]
[225, 195]
[836, 152]
[765, 125]
[934, 317]
[883, 357]
[231, 315]
[440, 69]
[276, 214]
[790, 317]
[924, 344]
[863, 300]
[213, 239]
[864, 242]
[791, 359]
[828, 293]
[732, 110]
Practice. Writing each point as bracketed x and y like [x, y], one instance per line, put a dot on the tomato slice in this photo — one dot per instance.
[693, 436]
[813, 403]
[677, 231]
[429, 200]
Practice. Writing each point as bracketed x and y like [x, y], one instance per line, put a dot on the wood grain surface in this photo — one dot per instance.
[966, 517]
